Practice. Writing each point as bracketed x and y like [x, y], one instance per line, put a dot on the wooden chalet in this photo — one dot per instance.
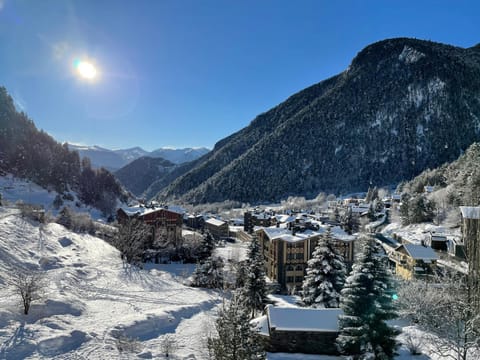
[299, 330]
[166, 224]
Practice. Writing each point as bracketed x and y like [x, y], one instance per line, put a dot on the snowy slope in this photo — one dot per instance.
[90, 299]
[20, 190]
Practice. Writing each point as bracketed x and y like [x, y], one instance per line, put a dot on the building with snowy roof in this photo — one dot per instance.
[217, 228]
[287, 248]
[166, 224]
[257, 218]
[299, 330]
[413, 261]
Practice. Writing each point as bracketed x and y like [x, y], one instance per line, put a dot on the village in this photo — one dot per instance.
[288, 238]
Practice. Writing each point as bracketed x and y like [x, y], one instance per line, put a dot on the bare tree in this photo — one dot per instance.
[168, 345]
[28, 285]
[445, 310]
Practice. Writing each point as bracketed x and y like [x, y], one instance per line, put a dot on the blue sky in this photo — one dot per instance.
[190, 72]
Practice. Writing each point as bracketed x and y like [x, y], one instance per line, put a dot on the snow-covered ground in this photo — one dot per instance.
[19, 190]
[91, 299]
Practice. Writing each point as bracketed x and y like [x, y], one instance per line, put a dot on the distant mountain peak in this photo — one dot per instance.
[116, 159]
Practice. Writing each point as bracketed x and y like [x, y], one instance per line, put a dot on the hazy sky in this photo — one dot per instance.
[190, 72]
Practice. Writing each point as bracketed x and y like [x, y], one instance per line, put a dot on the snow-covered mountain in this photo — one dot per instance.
[116, 159]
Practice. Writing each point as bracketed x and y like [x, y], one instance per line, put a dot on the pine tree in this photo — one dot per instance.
[325, 275]
[254, 292]
[236, 339]
[209, 274]
[367, 304]
[206, 247]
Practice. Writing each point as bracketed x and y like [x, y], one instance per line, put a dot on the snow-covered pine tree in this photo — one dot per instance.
[236, 339]
[366, 305]
[209, 274]
[254, 291]
[325, 275]
[206, 247]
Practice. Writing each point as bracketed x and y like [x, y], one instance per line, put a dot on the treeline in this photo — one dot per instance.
[30, 153]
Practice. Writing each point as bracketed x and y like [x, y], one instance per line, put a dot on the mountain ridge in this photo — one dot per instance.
[402, 105]
[115, 159]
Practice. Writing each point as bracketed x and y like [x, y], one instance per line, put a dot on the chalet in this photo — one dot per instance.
[166, 224]
[299, 330]
[218, 228]
[286, 250]
[414, 261]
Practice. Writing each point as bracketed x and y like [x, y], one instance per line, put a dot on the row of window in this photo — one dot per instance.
[298, 279]
[298, 256]
[292, 268]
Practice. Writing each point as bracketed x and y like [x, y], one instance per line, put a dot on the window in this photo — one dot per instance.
[298, 278]
[299, 256]
[299, 268]
[289, 268]
[289, 279]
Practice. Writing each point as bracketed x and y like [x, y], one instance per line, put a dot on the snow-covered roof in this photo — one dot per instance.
[285, 218]
[176, 209]
[470, 212]
[282, 233]
[215, 222]
[420, 252]
[340, 234]
[302, 319]
[260, 324]
[142, 210]
[138, 210]
[262, 216]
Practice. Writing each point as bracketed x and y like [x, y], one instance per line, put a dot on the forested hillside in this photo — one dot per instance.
[402, 106]
[30, 153]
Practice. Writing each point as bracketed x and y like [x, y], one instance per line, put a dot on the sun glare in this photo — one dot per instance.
[85, 69]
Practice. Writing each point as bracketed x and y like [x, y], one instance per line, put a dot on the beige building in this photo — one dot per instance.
[414, 261]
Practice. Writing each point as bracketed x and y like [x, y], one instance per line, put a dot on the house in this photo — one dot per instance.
[166, 224]
[299, 330]
[217, 228]
[286, 250]
[413, 260]
[194, 221]
[437, 241]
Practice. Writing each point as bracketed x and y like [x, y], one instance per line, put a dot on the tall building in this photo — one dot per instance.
[286, 250]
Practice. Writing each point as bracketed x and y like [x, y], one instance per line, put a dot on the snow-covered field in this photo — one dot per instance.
[91, 299]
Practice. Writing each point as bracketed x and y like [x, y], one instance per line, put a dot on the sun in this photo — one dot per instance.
[85, 69]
